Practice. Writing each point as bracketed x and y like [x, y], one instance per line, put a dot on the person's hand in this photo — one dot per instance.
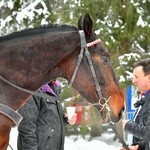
[122, 148]
[135, 147]
[72, 120]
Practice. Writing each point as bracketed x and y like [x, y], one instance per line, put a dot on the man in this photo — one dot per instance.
[42, 127]
[140, 126]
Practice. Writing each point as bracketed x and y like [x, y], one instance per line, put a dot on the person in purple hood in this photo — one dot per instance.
[43, 123]
[139, 127]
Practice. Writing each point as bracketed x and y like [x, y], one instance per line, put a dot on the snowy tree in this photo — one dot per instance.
[122, 25]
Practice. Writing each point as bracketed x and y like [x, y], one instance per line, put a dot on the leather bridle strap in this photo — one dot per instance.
[84, 48]
[14, 115]
[118, 136]
[98, 88]
[77, 66]
[80, 57]
[10, 113]
[51, 98]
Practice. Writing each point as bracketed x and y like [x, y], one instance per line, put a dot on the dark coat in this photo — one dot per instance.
[42, 127]
[141, 127]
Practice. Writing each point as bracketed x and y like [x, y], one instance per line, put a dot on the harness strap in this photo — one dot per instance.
[119, 137]
[83, 40]
[14, 115]
[80, 57]
[10, 113]
[98, 88]
[112, 125]
[51, 98]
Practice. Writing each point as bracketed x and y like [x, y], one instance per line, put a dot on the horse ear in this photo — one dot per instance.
[80, 23]
[85, 23]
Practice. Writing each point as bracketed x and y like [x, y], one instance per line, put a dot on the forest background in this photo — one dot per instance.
[122, 25]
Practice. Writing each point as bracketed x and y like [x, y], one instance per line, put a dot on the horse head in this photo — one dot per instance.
[106, 91]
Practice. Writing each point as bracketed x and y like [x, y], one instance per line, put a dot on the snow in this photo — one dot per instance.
[103, 142]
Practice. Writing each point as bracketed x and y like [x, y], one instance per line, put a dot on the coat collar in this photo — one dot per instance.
[147, 93]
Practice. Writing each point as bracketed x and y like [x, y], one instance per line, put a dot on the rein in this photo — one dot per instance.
[14, 115]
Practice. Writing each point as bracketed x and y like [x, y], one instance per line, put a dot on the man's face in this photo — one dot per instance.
[140, 80]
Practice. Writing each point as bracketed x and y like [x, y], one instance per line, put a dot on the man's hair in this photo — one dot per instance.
[146, 65]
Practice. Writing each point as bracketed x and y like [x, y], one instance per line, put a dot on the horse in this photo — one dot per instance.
[33, 57]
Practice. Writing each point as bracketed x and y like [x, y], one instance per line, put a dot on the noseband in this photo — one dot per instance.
[103, 102]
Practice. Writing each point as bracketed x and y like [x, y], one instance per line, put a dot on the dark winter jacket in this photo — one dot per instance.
[42, 127]
[141, 127]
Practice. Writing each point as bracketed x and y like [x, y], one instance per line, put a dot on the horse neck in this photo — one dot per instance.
[65, 47]
[57, 50]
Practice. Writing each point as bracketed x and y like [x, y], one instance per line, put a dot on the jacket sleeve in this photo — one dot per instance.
[137, 131]
[140, 131]
[27, 139]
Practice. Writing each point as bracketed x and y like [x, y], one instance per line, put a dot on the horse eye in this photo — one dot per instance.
[105, 59]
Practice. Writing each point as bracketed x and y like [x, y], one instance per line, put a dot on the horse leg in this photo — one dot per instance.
[5, 127]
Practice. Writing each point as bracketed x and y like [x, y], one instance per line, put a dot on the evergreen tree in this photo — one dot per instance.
[122, 25]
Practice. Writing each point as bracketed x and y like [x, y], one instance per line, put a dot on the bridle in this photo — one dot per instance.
[103, 102]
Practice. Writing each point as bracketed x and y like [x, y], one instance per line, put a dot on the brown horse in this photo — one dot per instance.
[32, 57]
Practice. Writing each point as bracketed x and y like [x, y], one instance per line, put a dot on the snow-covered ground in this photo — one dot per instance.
[104, 142]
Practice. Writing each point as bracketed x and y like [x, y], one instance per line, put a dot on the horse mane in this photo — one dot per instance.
[38, 30]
